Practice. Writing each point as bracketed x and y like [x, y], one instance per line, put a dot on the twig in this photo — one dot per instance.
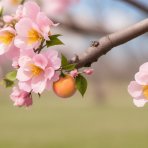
[138, 5]
[106, 43]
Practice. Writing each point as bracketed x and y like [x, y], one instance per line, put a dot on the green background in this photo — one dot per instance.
[74, 123]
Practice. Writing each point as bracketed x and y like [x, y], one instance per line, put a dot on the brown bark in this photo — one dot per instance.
[105, 44]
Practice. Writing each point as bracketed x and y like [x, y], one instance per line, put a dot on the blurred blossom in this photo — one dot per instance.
[10, 6]
[53, 7]
[88, 71]
[138, 89]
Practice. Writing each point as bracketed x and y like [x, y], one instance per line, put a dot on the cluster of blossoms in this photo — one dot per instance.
[22, 40]
[138, 89]
[22, 37]
[55, 7]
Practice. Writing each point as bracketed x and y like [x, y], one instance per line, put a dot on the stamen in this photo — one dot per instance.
[145, 91]
[36, 70]
[34, 36]
[6, 38]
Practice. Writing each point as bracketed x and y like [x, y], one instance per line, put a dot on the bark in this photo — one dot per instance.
[105, 44]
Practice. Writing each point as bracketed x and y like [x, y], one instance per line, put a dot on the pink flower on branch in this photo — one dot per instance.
[38, 71]
[139, 93]
[21, 98]
[74, 73]
[7, 36]
[88, 71]
[139, 89]
[33, 28]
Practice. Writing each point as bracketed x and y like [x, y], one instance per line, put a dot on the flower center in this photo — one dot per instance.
[36, 70]
[6, 38]
[15, 2]
[145, 91]
[34, 36]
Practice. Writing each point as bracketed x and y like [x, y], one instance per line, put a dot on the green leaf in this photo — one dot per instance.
[81, 84]
[64, 61]
[54, 40]
[1, 11]
[11, 76]
[7, 83]
[62, 74]
[69, 67]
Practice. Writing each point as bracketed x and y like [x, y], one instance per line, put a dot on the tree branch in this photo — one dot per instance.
[106, 43]
[92, 30]
[137, 5]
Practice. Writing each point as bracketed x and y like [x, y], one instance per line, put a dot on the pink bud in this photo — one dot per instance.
[8, 18]
[88, 71]
[15, 63]
[20, 97]
[74, 73]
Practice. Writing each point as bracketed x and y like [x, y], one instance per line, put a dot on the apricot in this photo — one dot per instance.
[65, 87]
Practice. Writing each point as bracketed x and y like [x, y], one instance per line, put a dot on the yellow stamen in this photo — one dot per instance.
[6, 38]
[145, 91]
[34, 36]
[36, 71]
[15, 2]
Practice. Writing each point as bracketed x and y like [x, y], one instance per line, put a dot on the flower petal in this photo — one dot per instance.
[40, 60]
[3, 49]
[135, 90]
[24, 61]
[38, 84]
[144, 67]
[48, 85]
[26, 86]
[49, 73]
[139, 102]
[23, 75]
[141, 78]
[23, 27]
[31, 9]
[13, 52]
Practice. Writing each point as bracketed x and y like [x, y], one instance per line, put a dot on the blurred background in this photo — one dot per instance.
[106, 116]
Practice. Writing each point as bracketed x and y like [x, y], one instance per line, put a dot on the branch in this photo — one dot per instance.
[106, 43]
[92, 30]
[138, 5]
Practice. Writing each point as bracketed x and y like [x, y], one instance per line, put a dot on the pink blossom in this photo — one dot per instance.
[21, 98]
[74, 73]
[139, 89]
[29, 9]
[10, 6]
[57, 6]
[33, 27]
[29, 35]
[37, 71]
[142, 76]
[139, 93]
[7, 36]
[88, 71]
